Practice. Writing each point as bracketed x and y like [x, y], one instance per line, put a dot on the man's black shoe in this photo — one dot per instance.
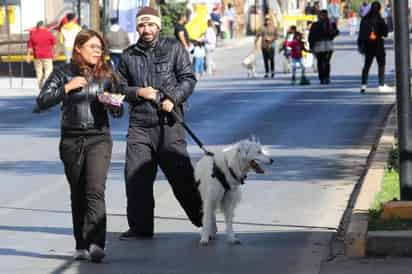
[132, 235]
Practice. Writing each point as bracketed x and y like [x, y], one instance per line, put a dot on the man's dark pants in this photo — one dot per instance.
[323, 59]
[86, 162]
[148, 148]
[380, 59]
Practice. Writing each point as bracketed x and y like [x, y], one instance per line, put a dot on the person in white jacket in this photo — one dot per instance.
[210, 46]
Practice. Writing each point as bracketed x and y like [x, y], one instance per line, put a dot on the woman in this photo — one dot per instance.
[370, 43]
[268, 35]
[321, 37]
[86, 143]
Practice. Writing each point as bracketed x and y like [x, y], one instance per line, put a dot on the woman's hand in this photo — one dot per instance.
[75, 83]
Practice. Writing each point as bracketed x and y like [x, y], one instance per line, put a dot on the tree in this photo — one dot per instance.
[170, 12]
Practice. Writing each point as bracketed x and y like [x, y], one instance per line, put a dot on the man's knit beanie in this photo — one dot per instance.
[148, 15]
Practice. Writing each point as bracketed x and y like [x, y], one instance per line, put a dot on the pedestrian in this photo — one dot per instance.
[210, 46]
[117, 40]
[230, 16]
[387, 16]
[371, 44]
[199, 54]
[216, 19]
[297, 46]
[155, 139]
[308, 8]
[321, 37]
[68, 33]
[364, 9]
[315, 8]
[267, 36]
[353, 23]
[181, 33]
[85, 144]
[290, 34]
[334, 11]
[42, 47]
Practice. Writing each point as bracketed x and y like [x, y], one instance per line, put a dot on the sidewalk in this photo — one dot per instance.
[368, 266]
[18, 87]
[235, 43]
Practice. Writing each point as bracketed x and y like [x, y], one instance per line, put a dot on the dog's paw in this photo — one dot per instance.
[234, 241]
[204, 242]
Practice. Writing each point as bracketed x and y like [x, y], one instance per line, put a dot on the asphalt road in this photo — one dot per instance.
[319, 137]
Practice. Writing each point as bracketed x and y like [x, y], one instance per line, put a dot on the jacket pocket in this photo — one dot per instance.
[162, 67]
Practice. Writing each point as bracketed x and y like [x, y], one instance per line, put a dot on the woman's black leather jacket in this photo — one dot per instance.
[81, 109]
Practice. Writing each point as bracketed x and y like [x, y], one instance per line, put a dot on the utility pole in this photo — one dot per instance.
[403, 97]
[94, 15]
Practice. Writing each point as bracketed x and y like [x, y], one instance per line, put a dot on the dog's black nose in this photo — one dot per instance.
[271, 161]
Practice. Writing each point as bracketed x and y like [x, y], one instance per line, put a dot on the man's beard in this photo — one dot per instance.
[148, 44]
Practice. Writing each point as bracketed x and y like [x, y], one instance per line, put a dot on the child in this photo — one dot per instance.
[296, 47]
[286, 49]
[199, 54]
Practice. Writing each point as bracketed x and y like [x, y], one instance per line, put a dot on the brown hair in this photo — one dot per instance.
[102, 69]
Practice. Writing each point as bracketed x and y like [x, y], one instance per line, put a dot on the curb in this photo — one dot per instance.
[357, 236]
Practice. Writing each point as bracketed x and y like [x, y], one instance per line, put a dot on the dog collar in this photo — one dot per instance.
[233, 174]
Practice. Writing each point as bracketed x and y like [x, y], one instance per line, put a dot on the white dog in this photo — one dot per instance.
[220, 177]
[250, 64]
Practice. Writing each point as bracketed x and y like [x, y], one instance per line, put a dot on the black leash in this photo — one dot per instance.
[191, 133]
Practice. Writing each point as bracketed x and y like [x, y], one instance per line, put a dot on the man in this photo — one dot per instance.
[41, 46]
[267, 37]
[68, 34]
[372, 31]
[157, 77]
[315, 8]
[117, 40]
[181, 33]
[308, 8]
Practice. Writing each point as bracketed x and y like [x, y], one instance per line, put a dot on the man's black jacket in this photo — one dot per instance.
[368, 24]
[80, 108]
[166, 67]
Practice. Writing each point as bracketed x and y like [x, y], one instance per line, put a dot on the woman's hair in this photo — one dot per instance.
[102, 69]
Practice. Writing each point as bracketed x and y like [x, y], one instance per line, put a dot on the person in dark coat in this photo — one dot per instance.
[371, 44]
[321, 37]
[157, 77]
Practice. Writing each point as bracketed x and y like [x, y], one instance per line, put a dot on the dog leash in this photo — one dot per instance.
[191, 133]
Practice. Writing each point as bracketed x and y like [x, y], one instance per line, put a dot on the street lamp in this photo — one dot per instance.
[403, 96]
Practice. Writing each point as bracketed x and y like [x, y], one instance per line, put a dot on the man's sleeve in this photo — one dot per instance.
[185, 77]
[123, 85]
